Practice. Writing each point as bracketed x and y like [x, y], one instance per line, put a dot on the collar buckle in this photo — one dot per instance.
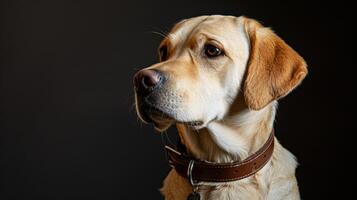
[189, 173]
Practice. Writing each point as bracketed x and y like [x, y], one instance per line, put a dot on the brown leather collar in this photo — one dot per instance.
[197, 171]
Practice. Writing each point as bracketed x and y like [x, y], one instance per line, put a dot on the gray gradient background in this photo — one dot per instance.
[68, 129]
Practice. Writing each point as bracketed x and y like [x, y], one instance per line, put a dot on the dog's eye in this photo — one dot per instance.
[163, 52]
[212, 51]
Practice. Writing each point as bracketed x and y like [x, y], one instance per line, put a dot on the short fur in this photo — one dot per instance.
[234, 96]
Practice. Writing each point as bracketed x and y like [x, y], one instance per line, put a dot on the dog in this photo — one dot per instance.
[219, 79]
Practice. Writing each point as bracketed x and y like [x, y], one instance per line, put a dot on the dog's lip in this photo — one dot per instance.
[194, 123]
[151, 112]
[155, 111]
[158, 112]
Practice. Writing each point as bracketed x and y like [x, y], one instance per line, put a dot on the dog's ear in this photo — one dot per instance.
[273, 69]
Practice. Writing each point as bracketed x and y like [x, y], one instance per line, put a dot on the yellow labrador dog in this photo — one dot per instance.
[219, 79]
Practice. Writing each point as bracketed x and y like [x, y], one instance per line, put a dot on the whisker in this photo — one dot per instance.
[169, 139]
[159, 33]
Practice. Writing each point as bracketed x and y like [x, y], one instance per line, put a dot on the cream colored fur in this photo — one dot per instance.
[235, 97]
[245, 133]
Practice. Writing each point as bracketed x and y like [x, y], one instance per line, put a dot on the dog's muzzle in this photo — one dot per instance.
[148, 84]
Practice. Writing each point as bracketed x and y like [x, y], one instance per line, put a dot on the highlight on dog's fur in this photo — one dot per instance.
[224, 106]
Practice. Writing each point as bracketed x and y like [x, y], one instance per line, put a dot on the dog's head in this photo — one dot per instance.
[206, 62]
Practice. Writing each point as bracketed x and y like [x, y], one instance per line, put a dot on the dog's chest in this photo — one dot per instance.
[232, 192]
[177, 188]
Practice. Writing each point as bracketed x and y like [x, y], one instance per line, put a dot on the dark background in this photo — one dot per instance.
[68, 128]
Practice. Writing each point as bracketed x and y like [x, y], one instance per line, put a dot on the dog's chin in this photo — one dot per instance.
[163, 121]
[162, 124]
[159, 119]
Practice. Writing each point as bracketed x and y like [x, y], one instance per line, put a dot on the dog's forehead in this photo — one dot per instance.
[212, 25]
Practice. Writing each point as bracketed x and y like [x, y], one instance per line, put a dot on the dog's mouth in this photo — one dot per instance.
[161, 119]
[152, 114]
[194, 123]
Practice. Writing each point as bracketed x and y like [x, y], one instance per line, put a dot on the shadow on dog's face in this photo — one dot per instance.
[202, 63]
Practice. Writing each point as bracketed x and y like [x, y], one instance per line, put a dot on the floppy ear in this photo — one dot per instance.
[273, 69]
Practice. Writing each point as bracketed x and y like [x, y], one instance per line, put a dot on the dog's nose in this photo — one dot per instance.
[147, 80]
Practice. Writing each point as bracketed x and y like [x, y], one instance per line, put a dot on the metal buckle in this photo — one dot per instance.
[189, 173]
[190, 165]
[195, 185]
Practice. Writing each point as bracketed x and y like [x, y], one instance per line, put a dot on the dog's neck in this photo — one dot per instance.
[241, 133]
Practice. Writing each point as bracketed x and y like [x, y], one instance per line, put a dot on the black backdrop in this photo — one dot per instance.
[68, 128]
